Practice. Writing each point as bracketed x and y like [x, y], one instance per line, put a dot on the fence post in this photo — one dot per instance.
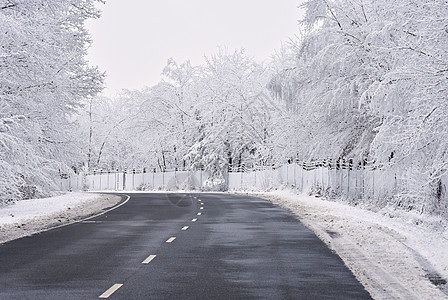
[395, 184]
[175, 176]
[255, 174]
[200, 185]
[241, 175]
[356, 183]
[117, 180]
[348, 179]
[101, 175]
[363, 178]
[153, 179]
[133, 179]
[124, 179]
[322, 177]
[302, 175]
[295, 173]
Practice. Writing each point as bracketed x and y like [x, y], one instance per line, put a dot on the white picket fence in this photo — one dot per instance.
[345, 180]
[374, 186]
[351, 183]
[135, 180]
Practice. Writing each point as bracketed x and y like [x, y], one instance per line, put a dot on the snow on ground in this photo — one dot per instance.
[28, 217]
[395, 256]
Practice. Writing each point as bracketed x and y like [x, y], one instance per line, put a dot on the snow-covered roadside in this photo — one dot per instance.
[394, 258]
[28, 217]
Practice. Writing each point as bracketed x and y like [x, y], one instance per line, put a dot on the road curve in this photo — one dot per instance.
[178, 246]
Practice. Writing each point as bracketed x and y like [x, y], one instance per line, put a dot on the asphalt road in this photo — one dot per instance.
[178, 246]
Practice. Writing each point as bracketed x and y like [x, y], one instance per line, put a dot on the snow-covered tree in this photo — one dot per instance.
[43, 77]
[234, 114]
[212, 117]
[370, 81]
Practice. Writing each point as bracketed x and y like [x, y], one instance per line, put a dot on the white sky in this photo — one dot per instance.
[133, 39]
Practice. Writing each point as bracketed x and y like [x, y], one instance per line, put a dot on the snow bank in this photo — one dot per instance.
[27, 217]
[393, 256]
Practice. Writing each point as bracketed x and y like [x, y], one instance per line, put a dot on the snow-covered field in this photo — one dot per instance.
[395, 256]
[27, 217]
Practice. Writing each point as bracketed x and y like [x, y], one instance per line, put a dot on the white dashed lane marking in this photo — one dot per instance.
[110, 291]
[171, 239]
[185, 227]
[149, 259]
[202, 208]
[199, 214]
[194, 220]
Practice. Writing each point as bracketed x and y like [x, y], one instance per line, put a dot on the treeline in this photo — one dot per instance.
[369, 79]
[363, 81]
[210, 116]
[44, 78]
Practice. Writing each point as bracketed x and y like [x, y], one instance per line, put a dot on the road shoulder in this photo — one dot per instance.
[387, 256]
[29, 217]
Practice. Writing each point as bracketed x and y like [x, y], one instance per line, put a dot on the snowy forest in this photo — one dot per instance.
[360, 81]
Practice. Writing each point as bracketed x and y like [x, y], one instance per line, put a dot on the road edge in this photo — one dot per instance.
[77, 219]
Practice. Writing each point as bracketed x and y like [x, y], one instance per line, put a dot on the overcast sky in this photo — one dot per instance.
[134, 38]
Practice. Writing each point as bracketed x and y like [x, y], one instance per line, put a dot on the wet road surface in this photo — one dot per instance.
[178, 246]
